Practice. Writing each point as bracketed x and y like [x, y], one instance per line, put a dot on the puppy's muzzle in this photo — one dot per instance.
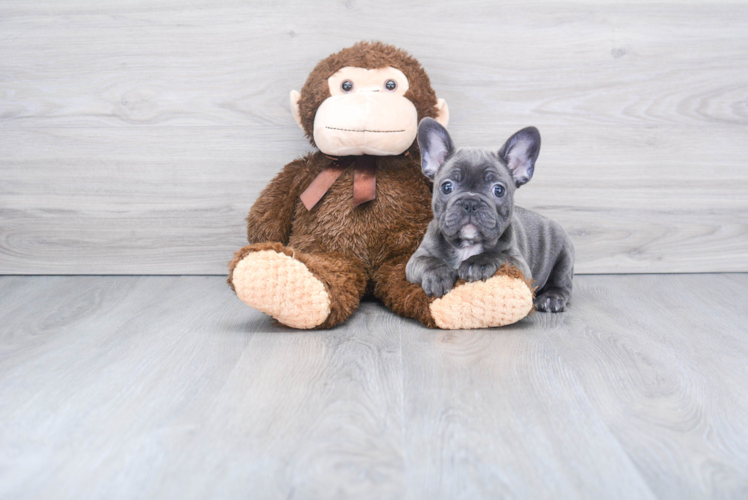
[468, 210]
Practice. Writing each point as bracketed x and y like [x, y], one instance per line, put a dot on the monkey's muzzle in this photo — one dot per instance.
[372, 123]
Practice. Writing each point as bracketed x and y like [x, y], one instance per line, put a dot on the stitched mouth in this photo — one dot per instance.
[372, 131]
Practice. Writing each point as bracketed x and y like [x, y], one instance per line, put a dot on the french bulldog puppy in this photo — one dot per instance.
[477, 228]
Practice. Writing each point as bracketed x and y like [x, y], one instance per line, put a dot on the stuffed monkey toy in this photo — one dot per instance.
[342, 222]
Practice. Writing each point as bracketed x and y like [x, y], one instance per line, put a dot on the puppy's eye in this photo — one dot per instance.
[498, 191]
[447, 187]
[390, 85]
[346, 86]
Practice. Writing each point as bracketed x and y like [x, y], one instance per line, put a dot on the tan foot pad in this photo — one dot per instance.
[498, 301]
[283, 288]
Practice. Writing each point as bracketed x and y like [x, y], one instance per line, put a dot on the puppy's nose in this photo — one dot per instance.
[470, 205]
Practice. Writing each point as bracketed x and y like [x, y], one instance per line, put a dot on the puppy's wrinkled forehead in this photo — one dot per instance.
[474, 167]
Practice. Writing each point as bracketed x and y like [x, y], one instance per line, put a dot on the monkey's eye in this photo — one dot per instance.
[390, 85]
[346, 86]
[498, 190]
[447, 187]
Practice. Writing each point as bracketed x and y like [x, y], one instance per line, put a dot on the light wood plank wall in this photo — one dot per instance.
[135, 135]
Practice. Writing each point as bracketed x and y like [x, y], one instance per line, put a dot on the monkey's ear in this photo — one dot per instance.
[520, 152]
[436, 145]
[443, 109]
[295, 96]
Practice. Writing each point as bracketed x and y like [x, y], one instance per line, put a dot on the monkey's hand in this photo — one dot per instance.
[481, 266]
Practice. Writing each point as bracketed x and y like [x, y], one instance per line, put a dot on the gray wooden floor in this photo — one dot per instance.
[169, 387]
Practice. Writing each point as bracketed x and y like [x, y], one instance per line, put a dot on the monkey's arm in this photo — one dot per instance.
[271, 215]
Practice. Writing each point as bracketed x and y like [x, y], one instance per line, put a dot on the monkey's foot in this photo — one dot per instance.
[281, 287]
[498, 301]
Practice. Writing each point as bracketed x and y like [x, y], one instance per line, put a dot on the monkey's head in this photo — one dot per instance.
[366, 99]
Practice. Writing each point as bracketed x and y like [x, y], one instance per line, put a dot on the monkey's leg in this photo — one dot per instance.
[299, 290]
[400, 295]
[500, 300]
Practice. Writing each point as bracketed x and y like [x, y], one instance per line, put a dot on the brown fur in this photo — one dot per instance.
[352, 250]
[400, 295]
[345, 246]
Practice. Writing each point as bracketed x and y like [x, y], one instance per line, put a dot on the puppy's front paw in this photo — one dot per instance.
[478, 267]
[550, 302]
[439, 280]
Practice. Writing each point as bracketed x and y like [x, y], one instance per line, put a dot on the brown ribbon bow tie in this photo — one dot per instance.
[364, 180]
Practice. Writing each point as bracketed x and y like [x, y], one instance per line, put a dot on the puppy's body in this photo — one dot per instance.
[476, 227]
[536, 244]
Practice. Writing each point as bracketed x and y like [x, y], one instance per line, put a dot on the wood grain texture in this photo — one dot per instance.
[639, 391]
[169, 387]
[135, 136]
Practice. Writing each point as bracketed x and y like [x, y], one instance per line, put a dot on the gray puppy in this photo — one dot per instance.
[477, 228]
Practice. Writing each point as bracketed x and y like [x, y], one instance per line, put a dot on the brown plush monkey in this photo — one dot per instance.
[341, 223]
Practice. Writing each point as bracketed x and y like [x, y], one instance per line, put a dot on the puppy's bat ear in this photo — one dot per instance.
[435, 144]
[520, 152]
